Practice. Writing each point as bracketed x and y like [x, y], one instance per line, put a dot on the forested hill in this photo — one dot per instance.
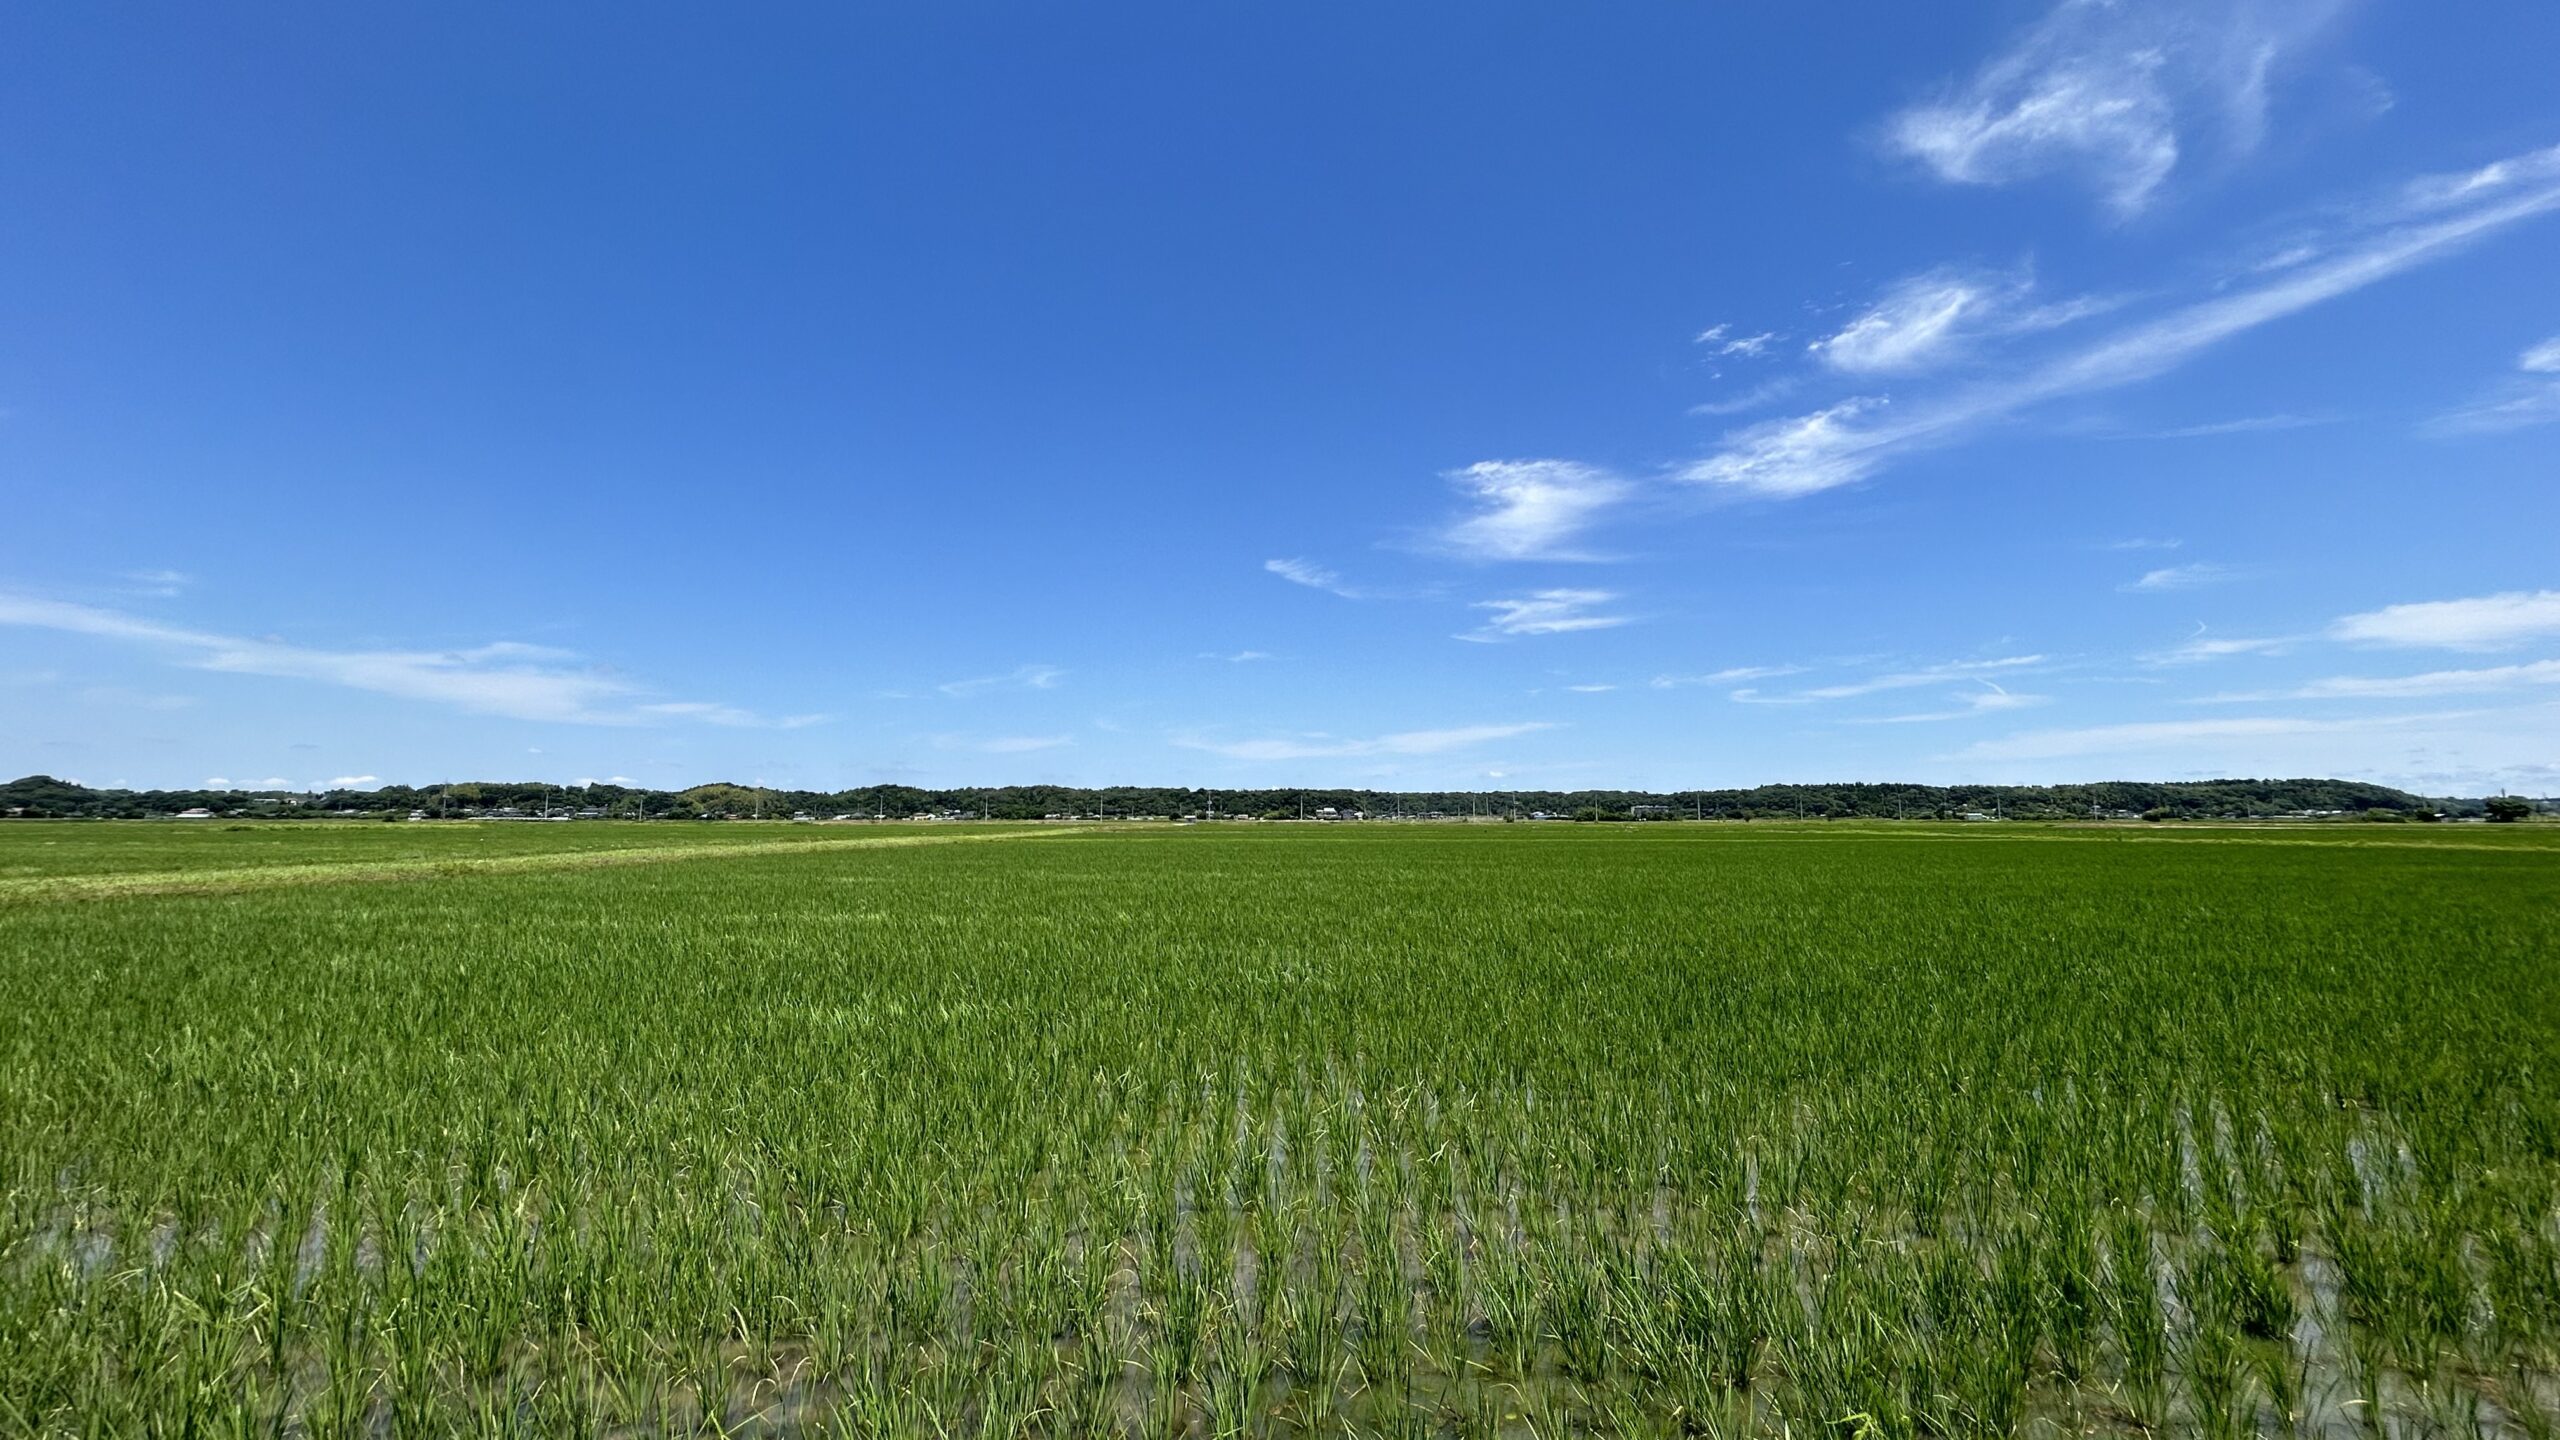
[42, 795]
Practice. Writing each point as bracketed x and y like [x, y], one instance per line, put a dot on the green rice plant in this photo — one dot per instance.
[2136, 1318]
[2235, 1284]
[2278, 1370]
[2216, 1380]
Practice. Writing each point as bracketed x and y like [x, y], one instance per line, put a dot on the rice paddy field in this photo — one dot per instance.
[1500, 1130]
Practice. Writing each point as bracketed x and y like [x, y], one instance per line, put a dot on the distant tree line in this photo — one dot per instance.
[43, 795]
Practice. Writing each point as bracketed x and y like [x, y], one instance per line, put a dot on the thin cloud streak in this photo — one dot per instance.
[1850, 440]
[2531, 398]
[1022, 677]
[2201, 647]
[2481, 622]
[2487, 680]
[2182, 577]
[1991, 701]
[1545, 612]
[1928, 319]
[1314, 577]
[506, 678]
[2245, 425]
[1766, 393]
[2149, 737]
[1731, 676]
[1897, 680]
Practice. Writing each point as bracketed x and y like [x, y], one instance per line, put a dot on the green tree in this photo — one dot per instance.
[2507, 809]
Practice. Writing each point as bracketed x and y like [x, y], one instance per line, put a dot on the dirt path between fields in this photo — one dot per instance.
[277, 877]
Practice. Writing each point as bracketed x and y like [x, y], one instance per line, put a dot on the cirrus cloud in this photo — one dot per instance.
[503, 678]
[2481, 622]
[1545, 612]
[1528, 509]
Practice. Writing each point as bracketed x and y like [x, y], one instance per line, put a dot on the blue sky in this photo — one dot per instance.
[1415, 395]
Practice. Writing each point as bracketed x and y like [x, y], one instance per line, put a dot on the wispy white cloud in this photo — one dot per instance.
[1805, 453]
[2201, 647]
[157, 584]
[2244, 425]
[350, 782]
[1852, 439]
[518, 681]
[1021, 677]
[1990, 700]
[1239, 657]
[1325, 747]
[1591, 689]
[1314, 577]
[1545, 612]
[1720, 341]
[1733, 675]
[2481, 622]
[2142, 544]
[2112, 94]
[1766, 393]
[1528, 509]
[1925, 320]
[2487, 680]
[1897, 680]
[2531, 397]
[1914, 324]
[703, 710]
[2194, 576]
[2144, 738]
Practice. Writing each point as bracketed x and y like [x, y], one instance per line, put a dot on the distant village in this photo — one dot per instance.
[2302, 800]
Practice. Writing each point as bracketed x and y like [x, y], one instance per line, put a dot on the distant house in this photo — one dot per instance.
[198, 813]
